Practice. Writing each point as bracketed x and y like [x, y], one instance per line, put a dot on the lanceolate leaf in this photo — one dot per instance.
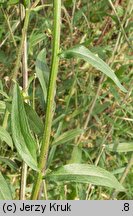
[120, 147]
[67, 136]
[5, 192]
[21, 133]
[42, 71]
[85, 54]
[35, 122]
[9, 162]
[84, 173]
[5, 136]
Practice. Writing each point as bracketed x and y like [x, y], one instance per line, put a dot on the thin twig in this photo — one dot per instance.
[13, 28]
[9, 26]
[25, 86]
[35, 4]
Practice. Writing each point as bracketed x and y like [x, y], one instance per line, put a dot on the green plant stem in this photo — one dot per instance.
[50, 99]
[59, 129]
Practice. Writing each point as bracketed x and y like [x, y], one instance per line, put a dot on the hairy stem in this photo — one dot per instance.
[50, 99]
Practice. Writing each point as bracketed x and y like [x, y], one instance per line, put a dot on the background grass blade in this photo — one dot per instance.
[83, 173]
[67, 136]
[42, 71]
[9, 162]
[85, 54]
[22, 137]
[120, 147]
[5, 192]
